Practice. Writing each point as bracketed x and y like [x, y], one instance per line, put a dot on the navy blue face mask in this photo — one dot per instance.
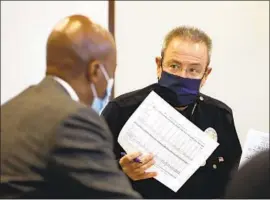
[186, 89]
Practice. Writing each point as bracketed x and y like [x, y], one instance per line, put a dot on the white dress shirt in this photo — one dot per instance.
[68, 88]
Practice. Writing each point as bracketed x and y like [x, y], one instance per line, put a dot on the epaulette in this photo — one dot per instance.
[215, 102]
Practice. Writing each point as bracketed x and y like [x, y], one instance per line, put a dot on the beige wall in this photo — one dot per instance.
[24, 30]
[240, 59]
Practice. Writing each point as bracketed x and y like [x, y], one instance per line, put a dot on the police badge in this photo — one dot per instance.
[213, 134]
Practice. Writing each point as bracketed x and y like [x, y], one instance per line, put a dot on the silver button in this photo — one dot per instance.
[201, 98]
[214, 166]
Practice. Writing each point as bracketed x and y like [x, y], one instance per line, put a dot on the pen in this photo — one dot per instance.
[137, 160]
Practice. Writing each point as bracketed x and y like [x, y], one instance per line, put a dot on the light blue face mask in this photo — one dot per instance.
[99, 103]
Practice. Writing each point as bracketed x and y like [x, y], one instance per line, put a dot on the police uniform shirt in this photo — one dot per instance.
[207, 113]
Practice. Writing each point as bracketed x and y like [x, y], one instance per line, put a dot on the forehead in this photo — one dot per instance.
[186, 50]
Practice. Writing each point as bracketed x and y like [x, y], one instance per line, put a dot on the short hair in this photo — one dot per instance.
[188, 33]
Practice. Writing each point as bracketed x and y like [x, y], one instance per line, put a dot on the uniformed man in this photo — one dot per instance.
[182, 70]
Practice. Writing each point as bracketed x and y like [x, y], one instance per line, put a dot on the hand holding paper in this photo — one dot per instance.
[179, 147]
[136, 170]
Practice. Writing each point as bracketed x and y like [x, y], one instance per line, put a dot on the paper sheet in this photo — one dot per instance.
[256, 142]
[179, 147]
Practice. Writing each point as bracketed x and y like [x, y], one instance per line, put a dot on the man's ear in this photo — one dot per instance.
[93, 71]
[208, 71]
[159, 67]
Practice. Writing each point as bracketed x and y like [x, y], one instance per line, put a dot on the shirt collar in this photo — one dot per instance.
[68, 88]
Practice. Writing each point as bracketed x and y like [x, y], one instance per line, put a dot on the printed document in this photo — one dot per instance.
[179, 147]
[256, 142]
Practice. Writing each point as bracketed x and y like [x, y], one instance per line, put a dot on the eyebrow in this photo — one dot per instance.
[173, 61]
[176, 61]
[196, 64]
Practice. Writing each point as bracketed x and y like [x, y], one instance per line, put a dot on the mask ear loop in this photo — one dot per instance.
[105, 73]
[94, 91]
[108, 79]
[93, 88]
[196, 103]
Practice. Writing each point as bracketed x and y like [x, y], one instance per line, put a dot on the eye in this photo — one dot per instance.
[174, 66]
[192, 70]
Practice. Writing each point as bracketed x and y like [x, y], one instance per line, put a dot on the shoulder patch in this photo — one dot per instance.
[134, 97]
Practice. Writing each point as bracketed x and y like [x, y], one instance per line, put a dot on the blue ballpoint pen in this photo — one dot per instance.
[137, 160]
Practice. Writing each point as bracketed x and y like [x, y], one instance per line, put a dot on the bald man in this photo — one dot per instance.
[53, 144]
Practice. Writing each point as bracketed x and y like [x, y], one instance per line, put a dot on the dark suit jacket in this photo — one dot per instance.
[252, 181]
[54, 147]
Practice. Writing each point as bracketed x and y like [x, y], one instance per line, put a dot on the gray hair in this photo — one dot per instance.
[190, 34]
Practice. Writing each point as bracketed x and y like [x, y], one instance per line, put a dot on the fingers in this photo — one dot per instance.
[144, 160]
[136, 171]
[129, 158]
[141, 170]
[146, 175]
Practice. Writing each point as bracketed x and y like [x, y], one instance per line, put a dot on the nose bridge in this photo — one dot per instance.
[183, 72]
